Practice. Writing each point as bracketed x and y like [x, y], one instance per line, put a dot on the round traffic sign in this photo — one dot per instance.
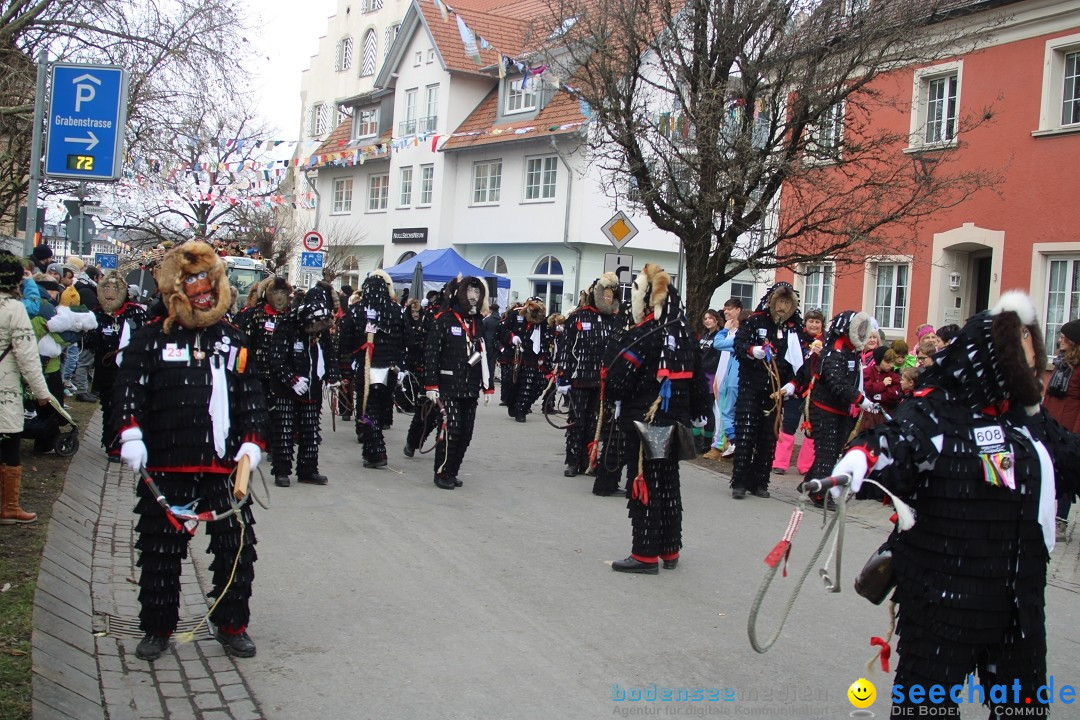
[313, 241]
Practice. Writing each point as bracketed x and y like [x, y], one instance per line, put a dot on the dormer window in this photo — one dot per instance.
[518, 100]
[366, 123]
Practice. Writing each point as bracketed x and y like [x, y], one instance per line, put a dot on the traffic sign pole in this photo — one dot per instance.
[35, 152]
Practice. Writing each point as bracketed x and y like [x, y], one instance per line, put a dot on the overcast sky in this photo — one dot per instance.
[290, 36]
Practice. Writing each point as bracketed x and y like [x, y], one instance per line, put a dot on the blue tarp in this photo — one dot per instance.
[441, 266]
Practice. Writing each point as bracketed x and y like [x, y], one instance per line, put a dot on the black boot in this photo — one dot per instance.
[409, 451]
[281, 480]
[313, 479]
[238, 645]
[445, 482]
[151, 647]
[633, 565]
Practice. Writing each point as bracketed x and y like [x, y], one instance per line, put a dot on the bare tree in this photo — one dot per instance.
[703, 110]
[173, 49]
[342, 238]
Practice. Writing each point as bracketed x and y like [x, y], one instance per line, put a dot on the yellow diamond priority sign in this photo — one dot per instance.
[619, 230]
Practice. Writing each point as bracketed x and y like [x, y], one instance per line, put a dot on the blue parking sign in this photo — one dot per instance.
[87, 117]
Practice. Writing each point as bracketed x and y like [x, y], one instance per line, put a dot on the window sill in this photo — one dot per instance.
[403, 207]
[488, 204]
[522, 111]
[341, 212]
[364, 137]
[915, 149]
[539, 201]
[375, 212]
[1050, 132]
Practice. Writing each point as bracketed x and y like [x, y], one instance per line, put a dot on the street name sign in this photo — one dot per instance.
[87, 117]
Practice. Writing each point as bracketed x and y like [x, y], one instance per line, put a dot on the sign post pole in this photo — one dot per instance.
[35, 152]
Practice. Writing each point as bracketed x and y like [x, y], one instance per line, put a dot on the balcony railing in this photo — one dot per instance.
[418, 126]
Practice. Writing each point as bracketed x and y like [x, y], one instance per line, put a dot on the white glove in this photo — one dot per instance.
[788, 389]
[515, 341]
[432, 395]
[758, 352]
[300, 386]
[869, 406]
[133, 449]
[253, 451]
[855, 466]
[700, 422]
[618, 408]
[562, 389]
[332, 385]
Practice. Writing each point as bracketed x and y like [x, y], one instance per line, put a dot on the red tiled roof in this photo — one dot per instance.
[505, 34]
[562, 111]
[338, 141]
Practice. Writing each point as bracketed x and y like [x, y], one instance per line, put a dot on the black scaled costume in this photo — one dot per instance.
[117, 318]
[454, 370]
[302, 358]
[509, 360]
[654, 376]
[837, 386]
[611, 458]
[417, 322]
[176, 372]
[976, 457]
[259, 323]
[580, 361]
[761, 342]
[531, 340]
[371, 343]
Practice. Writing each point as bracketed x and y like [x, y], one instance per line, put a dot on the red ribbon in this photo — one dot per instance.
[640, 491]
[884, 654]
[778, 553]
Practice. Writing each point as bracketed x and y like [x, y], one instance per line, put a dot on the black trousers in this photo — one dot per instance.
[612, 457]
[530, 385]
[507, 385]
[453, 441]
[657, 525]
[162, 548]
[296, 422]
[584, 406]
[755, 441]
[369, 425]
[831, 433]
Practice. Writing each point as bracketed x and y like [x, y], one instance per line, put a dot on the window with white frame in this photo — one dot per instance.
[431, 55]
[547, 283]
[744, 291]
[818, 288]
[366, 123]
[343, 195]
[427, 184]
[487, 182]
[343, 114]
[936, 104]
[343, 56]
[518, 100]
[371, 53]
[320, 118]
[1062, 296]
[405, 196]
[389, 35]
[891, 285]
[540, 175]
[418, 57]
[378, 191]
[408, 125]
[495, 264]
[1060, 107]
[431, 109]
[371, 5]
[825, 138]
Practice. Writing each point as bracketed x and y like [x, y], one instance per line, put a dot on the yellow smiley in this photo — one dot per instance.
[862, 693]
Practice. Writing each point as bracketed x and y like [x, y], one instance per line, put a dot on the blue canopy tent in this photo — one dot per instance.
[441, 266]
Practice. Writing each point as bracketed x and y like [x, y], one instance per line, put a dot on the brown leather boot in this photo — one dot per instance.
[11, 482]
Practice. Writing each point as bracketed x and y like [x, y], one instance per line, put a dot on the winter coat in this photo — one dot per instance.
[19, 365]
[875, 388]
[581, 349]
[295, 354]
[1065, 408]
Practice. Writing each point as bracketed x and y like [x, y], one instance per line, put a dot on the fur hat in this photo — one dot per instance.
[533, 310]
[769, 303]
[607, 281]
[191, 258]
[461, 295]
[855, 326]
[276, 291]
[650, 291]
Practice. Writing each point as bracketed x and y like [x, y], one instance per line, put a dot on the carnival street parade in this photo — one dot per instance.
[194, 385]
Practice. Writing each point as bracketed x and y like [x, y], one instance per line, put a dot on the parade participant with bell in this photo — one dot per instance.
[187, 411]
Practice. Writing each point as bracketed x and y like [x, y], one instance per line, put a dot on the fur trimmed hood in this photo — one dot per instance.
[650, 292]
[277, 292]
[607, 281]
[191, 258]
[461, 294]
[533, 311]
[112, 284]
[771, 301]
[855, 326]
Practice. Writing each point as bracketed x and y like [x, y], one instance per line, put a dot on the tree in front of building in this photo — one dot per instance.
[702, 112]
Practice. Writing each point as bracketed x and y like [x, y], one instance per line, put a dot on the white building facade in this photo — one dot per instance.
[471, 161]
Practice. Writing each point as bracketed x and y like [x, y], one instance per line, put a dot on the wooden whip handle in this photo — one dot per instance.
[243, 474]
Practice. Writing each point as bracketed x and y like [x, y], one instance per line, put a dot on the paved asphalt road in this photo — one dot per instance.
[382, 596]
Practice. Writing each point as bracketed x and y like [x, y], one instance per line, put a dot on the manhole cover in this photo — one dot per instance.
[110, 625]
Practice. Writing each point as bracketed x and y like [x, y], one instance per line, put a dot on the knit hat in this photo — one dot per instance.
[55, 268]
[11, 271]
[923, 330]
[879, 353]
[70, 297]
[41, 252]
[1071, 330]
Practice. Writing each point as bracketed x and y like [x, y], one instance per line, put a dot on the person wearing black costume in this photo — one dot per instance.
[978, 460]
[187, 411]
[418, 322]
[611, 458]
[117, 318]
[371, 344]
[531, 340]
[837, 386]
[513, 323]
[769, 340]
[655, 375]
[455, 371]
[581, 354]
[301, 358]
[259, 323]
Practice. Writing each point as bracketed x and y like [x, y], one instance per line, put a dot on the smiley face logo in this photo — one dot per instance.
[862, 693]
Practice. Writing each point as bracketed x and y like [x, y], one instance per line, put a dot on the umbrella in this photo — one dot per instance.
[418, 281]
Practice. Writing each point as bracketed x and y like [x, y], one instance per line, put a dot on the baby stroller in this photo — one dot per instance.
[40, 426]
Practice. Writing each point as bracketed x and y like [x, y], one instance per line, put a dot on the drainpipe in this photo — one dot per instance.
[566, 221]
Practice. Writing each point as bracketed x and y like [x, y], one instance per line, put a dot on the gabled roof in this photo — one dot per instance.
[561, 116]
[337, 149]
